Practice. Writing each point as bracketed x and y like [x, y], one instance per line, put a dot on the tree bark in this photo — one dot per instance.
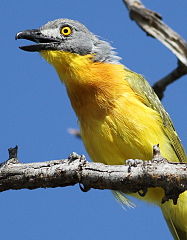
[136, 176]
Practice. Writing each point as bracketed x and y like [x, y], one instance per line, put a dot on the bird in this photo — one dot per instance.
[119, 115]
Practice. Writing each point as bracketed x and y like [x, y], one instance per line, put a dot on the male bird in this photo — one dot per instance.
[119, 114]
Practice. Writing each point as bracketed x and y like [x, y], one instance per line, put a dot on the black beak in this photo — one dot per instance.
[42, 42]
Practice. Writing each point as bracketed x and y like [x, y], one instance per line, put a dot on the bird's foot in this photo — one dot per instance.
[133, 163]
[74, 156]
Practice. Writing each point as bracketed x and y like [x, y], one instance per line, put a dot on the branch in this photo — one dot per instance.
[160, 86]
[138, 175]
[151, 22]
[74, 132]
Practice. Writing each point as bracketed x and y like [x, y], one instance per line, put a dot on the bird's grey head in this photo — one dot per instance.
[69, 36]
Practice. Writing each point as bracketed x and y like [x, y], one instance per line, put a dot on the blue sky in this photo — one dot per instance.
[36, 113]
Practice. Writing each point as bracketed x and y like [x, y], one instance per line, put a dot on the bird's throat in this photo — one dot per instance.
[70, 67]
[92, 86]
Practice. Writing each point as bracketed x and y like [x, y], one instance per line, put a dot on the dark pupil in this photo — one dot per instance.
[66, 30]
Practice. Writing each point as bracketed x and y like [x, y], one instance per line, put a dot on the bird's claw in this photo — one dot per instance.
[74, 156]
[133, 163]
[142, 192]
[84, 188]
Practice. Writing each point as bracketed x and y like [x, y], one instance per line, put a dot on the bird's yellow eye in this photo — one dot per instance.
[66, 31]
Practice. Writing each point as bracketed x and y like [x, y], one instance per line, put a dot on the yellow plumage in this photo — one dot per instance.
[119, 114]
[120, 118]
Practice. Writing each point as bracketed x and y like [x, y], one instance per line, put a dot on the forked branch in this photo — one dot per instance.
[151, 22]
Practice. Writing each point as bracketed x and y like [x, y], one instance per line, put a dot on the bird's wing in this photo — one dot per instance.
[177, 233]
[147, 95]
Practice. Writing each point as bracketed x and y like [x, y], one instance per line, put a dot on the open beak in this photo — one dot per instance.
[42, 42]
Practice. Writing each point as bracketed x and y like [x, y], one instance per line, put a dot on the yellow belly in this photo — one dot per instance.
[115, 122]
[129, 135]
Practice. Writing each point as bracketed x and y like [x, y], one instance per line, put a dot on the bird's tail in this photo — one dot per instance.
[176, 217]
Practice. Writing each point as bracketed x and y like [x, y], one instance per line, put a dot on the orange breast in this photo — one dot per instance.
[95, 93]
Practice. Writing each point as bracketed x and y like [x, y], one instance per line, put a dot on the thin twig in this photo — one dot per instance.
[160, 86]
[75, 132]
